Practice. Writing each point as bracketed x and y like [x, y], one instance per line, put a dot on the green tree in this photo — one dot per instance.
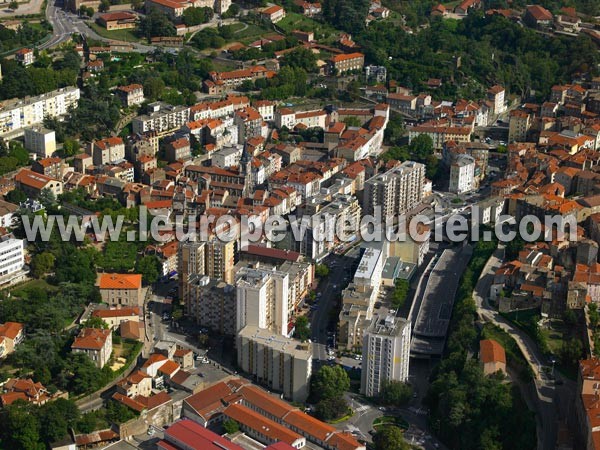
[154, 88]
[20, 427]
[16, 196]
[329, 382]
[302, 330]
[321, 270]
[137, 4]
[301, 58]
[42, 263]
[104, 6]
[231, 426]
[118, 413]
[95, 322]
[196, 16]
[331, 408]
[13, 5]
[390, 438]
[70, 147]
[156, 24]
[149, 267]
[400, 293]
[394, 393]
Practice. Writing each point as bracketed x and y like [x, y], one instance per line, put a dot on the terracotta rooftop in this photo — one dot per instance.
[120, 281]
[91, 339]
[491, 351]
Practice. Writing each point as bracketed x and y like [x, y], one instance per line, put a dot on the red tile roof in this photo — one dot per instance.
[491, 351]
[194, 437]
[120, 281]
[122, 312]
[91, 339]
[251, 419]
[11, 329]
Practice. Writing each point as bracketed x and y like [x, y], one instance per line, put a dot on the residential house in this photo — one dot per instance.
[96, 343]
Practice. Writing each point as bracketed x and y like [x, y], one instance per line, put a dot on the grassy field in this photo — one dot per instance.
[117, 35]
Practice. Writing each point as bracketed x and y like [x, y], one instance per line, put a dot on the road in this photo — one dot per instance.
[65, 23]
[545, 388]
[340, 267]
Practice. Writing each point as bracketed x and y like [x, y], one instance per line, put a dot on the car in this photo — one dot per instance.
[151, 431]
[415, 395]
[205, 361]
[357, 357]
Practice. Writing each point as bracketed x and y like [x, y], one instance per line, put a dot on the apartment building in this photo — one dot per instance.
[441, 134]
[16, 115]
[519, 124]
[395, 191]
[12, 256]
[190, 263]
[121, 290]
[212, 304]
[161, 118]
[96, 343]
[496, 95]
[109, 150]
[283, 364]
[25, 56]
[40, 141]
[386, 353]
[51, 167]
[131, 95]
[262, 298]
[339, 64]
[178, 150]
[462, 174]
[327, 218]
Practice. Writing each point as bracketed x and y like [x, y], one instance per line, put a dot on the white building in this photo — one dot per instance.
[108, 150]
[496, 94]
[370, 267]
[284, 364]
[16, 115]
[12, 256]
[262, 300]
[395, 191]
[41, 141]
[162, 118]
[227, 156]
[462, 174]
[386, 353]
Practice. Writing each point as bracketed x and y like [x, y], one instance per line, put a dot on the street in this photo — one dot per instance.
[340, 274]
[65, 23]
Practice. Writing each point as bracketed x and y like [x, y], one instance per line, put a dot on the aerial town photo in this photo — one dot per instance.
[299, 224]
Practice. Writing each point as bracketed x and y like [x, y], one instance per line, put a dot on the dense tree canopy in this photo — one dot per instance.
[493, 50]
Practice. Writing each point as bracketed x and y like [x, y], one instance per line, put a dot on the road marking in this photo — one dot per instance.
[362, 408]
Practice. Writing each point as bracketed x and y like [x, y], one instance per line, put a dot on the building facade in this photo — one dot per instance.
[386, 353]
[285, 365]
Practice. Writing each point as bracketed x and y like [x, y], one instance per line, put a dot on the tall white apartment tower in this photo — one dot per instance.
[396, 191]
[262, 300]
[386, 353]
